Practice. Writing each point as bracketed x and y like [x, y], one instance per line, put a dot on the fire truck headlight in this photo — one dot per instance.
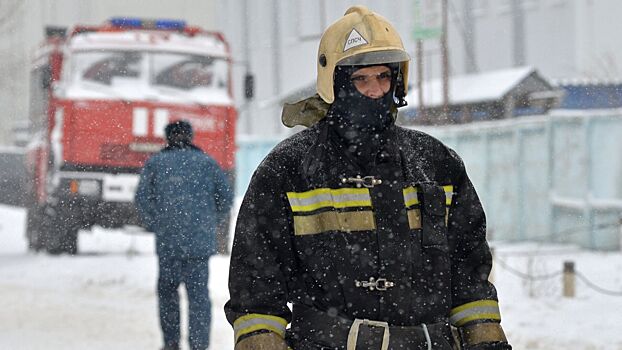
[85, 187]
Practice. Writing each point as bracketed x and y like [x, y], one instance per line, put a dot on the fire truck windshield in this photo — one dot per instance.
[138, 75]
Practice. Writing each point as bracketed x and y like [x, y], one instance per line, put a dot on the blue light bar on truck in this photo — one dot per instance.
[170, 24]
[129, 22]
[126, 22]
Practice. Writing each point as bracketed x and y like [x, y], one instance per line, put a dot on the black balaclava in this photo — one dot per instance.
[360, 121]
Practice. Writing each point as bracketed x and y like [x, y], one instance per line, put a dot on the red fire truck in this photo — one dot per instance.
[100, 99]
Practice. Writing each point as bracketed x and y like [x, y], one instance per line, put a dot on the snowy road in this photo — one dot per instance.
[102, 299]
[105, 299]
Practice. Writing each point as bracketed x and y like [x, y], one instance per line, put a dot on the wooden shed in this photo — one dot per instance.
[490, 95]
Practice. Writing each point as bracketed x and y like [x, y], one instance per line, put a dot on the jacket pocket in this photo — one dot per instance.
[433, 216]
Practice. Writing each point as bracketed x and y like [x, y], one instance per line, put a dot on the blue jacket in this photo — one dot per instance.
[182, 196]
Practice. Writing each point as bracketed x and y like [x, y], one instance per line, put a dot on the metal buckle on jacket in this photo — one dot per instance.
[380, 284]
[367, 181]
[354, 333]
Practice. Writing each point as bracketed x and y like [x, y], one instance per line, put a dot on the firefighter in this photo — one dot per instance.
[182, 196]
[372, 233]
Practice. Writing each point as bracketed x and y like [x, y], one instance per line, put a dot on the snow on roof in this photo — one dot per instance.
[583, 81]
[471, 88]
[149, 40]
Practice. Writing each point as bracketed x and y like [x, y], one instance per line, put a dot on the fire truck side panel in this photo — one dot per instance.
[122, 135]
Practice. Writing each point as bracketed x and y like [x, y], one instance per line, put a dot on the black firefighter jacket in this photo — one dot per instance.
[307, 234]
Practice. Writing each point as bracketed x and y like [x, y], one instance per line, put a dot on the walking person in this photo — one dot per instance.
[182, 196]
[372, 232]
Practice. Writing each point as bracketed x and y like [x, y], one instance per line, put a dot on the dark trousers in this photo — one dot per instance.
[194, 274]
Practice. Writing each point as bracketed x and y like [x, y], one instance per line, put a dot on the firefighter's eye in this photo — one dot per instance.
[384, 76]
[366, 79]
[359, 79]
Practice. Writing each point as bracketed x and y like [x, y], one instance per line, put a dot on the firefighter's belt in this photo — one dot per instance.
[310, 325]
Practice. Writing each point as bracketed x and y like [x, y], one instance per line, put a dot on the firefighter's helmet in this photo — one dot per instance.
[360, 37]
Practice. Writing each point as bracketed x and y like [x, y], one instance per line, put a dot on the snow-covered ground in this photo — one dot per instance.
[105, 297]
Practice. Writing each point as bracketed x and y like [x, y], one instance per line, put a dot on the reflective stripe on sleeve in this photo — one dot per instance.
[476, 310]
[254, 322]
[334, 221]
[328, 197]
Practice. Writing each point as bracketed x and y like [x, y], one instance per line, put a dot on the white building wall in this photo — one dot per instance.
[13, 87]
[599, 53]
[22, 25]
[550, 43]
[564, 39]
[493, 48]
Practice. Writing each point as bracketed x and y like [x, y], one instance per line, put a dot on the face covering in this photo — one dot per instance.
[354, 116]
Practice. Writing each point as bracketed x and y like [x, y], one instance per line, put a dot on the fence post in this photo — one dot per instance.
[569, 279]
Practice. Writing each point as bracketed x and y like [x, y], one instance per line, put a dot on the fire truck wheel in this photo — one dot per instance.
[36, 241]
[62, 233]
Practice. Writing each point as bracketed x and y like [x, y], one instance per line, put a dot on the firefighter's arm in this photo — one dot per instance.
[257, 308]
[262, 341]
[475, 307]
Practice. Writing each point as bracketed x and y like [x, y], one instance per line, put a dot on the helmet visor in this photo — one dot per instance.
[375, 57]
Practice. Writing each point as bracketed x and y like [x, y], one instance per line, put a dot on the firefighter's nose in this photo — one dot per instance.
[374, 89]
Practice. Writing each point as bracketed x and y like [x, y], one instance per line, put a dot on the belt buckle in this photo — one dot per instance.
[354, 332]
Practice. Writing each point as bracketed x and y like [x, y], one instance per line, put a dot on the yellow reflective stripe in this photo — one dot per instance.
[254, 322]
[476, 310]
[329, 198]
[410, 196]
[474, 317]
[474, 304]
[414, 218]
[449, 193]
[334, 221]
[337, 191]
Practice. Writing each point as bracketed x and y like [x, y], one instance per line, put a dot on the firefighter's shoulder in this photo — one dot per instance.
[291, 150]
